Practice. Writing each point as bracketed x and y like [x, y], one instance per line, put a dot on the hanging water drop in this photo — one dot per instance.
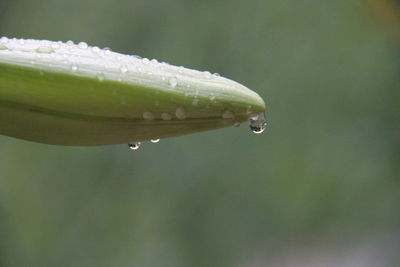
[258, 123]
[145, 61]
[154, 141]
[134, 146]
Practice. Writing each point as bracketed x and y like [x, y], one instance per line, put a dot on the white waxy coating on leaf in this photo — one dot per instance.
[88, 61]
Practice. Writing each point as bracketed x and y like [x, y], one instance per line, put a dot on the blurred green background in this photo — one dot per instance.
[320, 188]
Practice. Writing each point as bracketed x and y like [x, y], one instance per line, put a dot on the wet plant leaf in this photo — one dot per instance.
[75, 94]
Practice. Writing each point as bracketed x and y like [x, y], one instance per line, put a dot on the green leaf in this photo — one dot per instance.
[67, 94]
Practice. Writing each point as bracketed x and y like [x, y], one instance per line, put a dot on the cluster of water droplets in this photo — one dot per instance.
[79, 57]
[258, 124]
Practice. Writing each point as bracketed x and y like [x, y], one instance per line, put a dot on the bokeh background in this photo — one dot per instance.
[320, 188]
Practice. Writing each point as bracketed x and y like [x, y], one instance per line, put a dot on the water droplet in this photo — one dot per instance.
[100, 76]
[217, 74]
[134, 146]
[44, 49]
[166, 116]
[96, 49]
[207, 74]
[148, 115]
[74, 67]
[155, 141]
[3, 40]
[72, 49]
[154, 61]
[55, 45]
[145, 61]
[69, 42]
[123, 69]
[83, 45]
[227, 115]
[107, 50]
[173, 82]
[180, 113]
[258, 123]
